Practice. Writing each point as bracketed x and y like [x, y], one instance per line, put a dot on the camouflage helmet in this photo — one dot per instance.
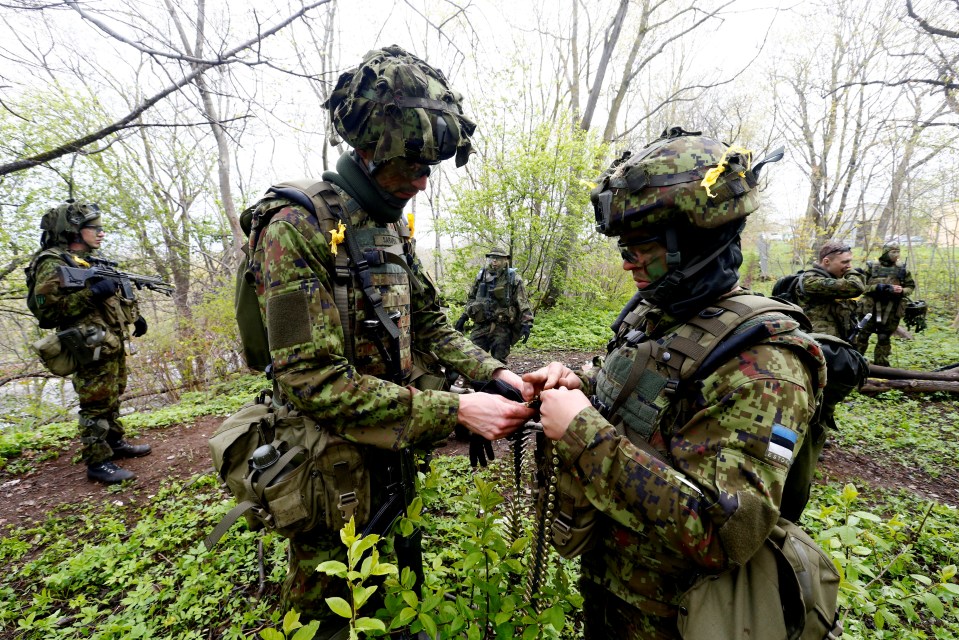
[891, 245]
[666, 182]
[397, 106]
[61, 225]
[497, 251]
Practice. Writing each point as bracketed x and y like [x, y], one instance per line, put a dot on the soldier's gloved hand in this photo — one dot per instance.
[525, 331]
[102, 289]
[481, 450]
[140, 327]
[460, 324]
[884, 289]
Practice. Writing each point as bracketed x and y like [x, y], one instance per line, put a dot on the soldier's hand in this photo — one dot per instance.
[492, 416]
[140, 327]
[460, 324]
[481, 450]
[553, 375]
[525, 331]
[102, 289]
[559, 407]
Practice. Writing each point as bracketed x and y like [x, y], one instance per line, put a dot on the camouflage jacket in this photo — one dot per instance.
[69, 308]
[886, 306]
[293, 266]
[711, 496]
[829, 301]
[498, 298]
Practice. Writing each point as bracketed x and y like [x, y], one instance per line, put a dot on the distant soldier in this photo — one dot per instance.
[498, 307]
[887, 286]
[71, 236]
[827, 291]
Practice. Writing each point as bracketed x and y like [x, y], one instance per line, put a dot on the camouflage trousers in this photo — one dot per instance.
[608, 616]
[495, 339]
[883, 333]
[99, 386]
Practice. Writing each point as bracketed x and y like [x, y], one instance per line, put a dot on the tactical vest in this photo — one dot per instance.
[885, 274]
[372, 289]
[637, 387]
[494, 298]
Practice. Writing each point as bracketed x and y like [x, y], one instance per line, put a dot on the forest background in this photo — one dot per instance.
[175, 116]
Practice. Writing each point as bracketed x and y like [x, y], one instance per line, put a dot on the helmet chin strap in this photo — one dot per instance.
[667, 288]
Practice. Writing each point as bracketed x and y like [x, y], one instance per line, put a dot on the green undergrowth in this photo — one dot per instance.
[114, 570]
[20, 451]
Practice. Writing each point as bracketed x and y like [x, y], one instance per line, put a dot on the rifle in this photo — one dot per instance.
[400, 490]
[76, 278]
[859, 327]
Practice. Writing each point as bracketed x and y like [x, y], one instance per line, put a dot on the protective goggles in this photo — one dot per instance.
[632, 249]
[842, 249]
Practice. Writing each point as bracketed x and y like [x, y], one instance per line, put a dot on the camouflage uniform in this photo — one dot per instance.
[99, 384]
[887, 308]
[363, 398]
[713, 497]
[687, 474]
[500, 311]
[828, 301]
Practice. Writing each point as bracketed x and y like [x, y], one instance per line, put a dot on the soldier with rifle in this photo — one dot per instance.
[888, 286]
[94, 309]
[349, 309]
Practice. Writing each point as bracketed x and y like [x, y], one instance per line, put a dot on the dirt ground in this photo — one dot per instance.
[180, 453]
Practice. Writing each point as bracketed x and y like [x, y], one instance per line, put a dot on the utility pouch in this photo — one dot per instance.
[478, 312]
[287, 474]
[570, 518]
[58, 360]
[346, 483]
[426, 376]
[786, 591]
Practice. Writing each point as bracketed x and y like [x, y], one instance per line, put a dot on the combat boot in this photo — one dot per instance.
[108, 473]
[124, 449]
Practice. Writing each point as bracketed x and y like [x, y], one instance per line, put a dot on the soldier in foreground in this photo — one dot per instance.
[401, 118]
[827, 292]
[686, 475]
[72, 235]
[888, 284]
[498, 307]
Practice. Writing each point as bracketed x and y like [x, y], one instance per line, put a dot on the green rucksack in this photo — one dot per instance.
[31, 275]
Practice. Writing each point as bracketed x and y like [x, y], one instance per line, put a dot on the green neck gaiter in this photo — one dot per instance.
[382, 207]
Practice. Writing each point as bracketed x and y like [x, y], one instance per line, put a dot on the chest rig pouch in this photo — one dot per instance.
[640, 388]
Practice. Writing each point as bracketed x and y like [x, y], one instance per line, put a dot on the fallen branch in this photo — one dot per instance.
[873, 387]
[949, 375]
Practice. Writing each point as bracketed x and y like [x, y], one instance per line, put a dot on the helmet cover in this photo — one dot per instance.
[682, 177]
[397, 106]
[61, 225]
[497, 251]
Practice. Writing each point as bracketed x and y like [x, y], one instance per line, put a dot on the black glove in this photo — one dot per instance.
[140, 327]
[102, 289]
[460, 324]
[481, 450]
[524, 331]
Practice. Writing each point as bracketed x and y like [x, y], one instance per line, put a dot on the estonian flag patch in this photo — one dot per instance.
[782, 444]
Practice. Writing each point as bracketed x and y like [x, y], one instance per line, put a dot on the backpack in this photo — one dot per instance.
[789, 287]
[31, 274]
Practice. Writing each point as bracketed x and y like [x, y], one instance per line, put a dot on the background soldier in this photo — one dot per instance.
[827, 291]
[665, 464]
[72, 234]
[401, 118]
[498, 307]
[888, 284]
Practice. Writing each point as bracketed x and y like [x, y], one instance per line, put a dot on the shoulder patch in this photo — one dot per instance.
[782, 444]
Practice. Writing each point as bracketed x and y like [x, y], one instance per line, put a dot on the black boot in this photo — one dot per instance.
[123, 449]
[108, 473]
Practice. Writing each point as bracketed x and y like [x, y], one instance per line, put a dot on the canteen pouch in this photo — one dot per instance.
[57, 360]
[346, 484]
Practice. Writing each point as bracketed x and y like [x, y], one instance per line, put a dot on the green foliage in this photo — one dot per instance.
[575, 324]
[532, 196]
